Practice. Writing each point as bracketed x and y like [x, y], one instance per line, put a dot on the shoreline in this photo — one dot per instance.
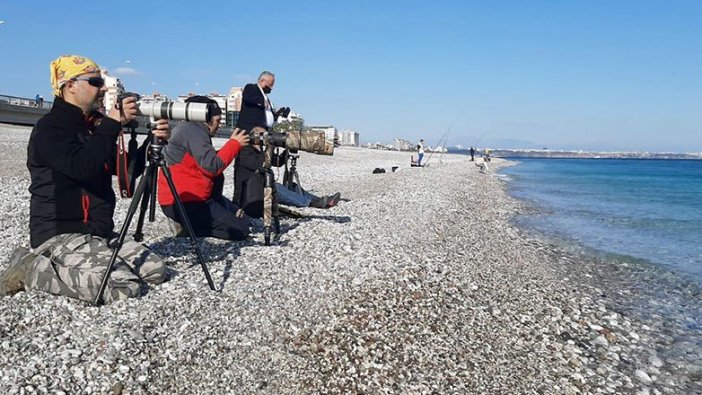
[641, 229]
[664, 302]
[624, 272]
[417, 283]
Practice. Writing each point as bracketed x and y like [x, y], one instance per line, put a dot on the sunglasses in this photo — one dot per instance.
[97, 82]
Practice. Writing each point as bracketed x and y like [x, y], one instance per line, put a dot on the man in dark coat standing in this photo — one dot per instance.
[256, 108]
[256, 111]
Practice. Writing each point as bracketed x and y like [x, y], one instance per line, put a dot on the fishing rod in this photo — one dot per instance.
[443, 145]
[443, 138]
[480, 138]
[474, 145]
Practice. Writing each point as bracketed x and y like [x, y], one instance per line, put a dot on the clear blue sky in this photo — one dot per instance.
[594, 75]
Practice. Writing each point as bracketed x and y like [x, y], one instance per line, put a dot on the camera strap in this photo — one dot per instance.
[130, 164]
[267, 108]
[125, 190]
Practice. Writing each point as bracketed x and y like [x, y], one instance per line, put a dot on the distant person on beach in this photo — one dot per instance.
[472, 154]
[249, 183]
[484, 168]
[71, 159]
[420, 152]
[197, 169]
[256, 107]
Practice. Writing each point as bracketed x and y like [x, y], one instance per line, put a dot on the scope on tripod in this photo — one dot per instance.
[314, 142]
[192, 112]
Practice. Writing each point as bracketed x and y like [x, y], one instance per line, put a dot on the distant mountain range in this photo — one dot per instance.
[541, 153]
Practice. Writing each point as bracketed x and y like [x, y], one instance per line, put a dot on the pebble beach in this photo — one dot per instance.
[417, 282]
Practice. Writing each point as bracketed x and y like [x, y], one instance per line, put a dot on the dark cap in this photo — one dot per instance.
[214, 107]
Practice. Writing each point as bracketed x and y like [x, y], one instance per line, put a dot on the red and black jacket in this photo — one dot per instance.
[71, 170]
[194, 163]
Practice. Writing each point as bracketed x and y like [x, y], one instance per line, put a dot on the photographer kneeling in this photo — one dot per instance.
[197, 170]
[71, 159]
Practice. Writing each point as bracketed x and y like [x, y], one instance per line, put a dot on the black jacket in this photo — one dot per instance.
[253, 108]
[71, 171]
[249, 182]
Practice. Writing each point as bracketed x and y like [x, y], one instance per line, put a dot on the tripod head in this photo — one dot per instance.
[156, 145]
[291, 179]
[292, 156]
[156, 152]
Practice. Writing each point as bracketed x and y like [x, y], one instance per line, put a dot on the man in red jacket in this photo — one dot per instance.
[197, 170]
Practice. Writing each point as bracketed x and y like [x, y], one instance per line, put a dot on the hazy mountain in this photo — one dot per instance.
[487, 141]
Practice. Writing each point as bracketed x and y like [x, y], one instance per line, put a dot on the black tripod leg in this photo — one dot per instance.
[139, 234]
[152, 208]
[287, 180]
[298, 188]
[122, 234]
[184, 217]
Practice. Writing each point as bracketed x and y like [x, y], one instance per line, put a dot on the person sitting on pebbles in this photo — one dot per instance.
[249, 182]
[198, 174]
[71, 158]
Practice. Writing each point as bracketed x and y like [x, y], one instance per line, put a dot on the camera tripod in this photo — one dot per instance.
[291, 179]
[146, 193]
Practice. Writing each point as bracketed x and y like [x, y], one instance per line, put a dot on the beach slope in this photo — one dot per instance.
[418, 283]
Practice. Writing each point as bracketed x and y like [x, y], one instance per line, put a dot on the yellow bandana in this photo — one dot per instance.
[67, 67]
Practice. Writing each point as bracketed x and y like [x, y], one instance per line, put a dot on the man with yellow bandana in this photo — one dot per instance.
[71, 159]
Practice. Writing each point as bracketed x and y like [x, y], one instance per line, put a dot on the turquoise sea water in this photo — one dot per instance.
[646, 209]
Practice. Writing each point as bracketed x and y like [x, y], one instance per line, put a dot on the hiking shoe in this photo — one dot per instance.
[319, 202]
[12, 279]
[333, 199]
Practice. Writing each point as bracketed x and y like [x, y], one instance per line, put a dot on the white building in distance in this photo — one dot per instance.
[222, 103]
[233, 107]
[330, 132]
[403, 145]
[349, 137]
[155, 98]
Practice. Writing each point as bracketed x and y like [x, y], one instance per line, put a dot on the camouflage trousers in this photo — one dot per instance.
[74, 264]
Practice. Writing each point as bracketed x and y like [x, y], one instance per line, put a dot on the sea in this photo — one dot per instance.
[648, 210]
[643, 220]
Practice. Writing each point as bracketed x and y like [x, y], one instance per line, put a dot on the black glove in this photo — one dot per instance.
[283, 112]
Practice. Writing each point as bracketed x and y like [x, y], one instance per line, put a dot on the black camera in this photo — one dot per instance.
[260, 136]
[283, 112]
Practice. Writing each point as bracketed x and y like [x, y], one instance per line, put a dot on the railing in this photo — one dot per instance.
[24, 102]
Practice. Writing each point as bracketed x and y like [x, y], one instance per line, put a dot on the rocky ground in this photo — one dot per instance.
[419, 283]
